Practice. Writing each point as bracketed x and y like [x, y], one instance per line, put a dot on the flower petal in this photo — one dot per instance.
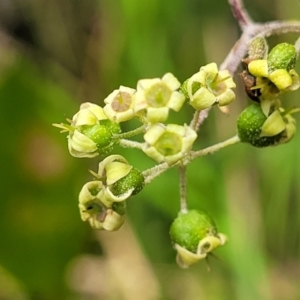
[171, 81]
[157, 115]
[202, 99]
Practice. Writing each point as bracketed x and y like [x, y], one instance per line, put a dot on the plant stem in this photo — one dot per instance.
[182, 187]
[151, 173]
[132, 133]
[209, 150]
[130, 144]
[239, 13]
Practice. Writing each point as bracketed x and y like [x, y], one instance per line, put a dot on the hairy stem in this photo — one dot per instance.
[152, 173]
[239, 13]
[130, 144]
[209, 150]
[132, 133]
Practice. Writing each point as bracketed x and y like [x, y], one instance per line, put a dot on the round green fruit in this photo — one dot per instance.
[282, 56]
[249, 125]
[190, 228]
[134, 179]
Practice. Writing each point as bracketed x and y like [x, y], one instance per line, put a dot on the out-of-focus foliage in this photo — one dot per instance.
[57, 54]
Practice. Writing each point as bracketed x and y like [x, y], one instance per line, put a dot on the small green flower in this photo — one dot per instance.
[259, 130]
[120, 179]
[119, 105]
[258, 49]
[98, 209]
[194, 235]
[90, 132]
[154, 98]
[210, 87]
[168, 143]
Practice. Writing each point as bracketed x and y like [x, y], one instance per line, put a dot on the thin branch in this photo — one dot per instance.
[130, 144]
[212, 149]
[240, 13]
[150, 174]
[182, 177]
[129, 134]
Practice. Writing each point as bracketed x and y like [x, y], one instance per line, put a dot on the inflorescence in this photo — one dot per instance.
[95, 131]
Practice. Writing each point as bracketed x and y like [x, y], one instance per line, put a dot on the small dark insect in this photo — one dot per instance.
[249, 81]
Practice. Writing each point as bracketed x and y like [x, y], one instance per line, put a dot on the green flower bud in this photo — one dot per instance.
[183, 89]
[282, 56]
[258, 49]
[194, 235]
[259, 130]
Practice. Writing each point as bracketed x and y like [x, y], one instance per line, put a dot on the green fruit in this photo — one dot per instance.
[282, 56]
[134, 179]
[190, 228]
[98, 133]
[249, 125]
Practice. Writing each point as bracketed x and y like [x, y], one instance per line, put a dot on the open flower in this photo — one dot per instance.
[119, 104]
[101, 212]
[90, 132]
[120, 179]
[168, 143]
[154, 97]
[209, 87]
[194, 235]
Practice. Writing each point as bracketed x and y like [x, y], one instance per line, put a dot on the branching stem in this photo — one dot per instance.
[152, 173]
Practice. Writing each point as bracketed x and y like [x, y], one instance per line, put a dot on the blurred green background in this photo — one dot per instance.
[58, 54]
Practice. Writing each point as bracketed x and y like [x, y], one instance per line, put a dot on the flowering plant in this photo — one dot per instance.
[96, 130]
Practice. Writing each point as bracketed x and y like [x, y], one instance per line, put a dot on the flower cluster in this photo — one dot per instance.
[102, 201]
[151, 101]
[267, 76]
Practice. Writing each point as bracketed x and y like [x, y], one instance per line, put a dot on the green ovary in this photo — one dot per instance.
[168, 144]
[158, 95]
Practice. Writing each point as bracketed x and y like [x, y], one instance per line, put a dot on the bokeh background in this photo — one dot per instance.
[55, 55]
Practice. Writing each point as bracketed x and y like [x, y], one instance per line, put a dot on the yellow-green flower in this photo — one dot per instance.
[90, 132]
[168, 143]
[96, 208]
[120, 179]
[119, 104]
[210, 87]
[154, 97]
